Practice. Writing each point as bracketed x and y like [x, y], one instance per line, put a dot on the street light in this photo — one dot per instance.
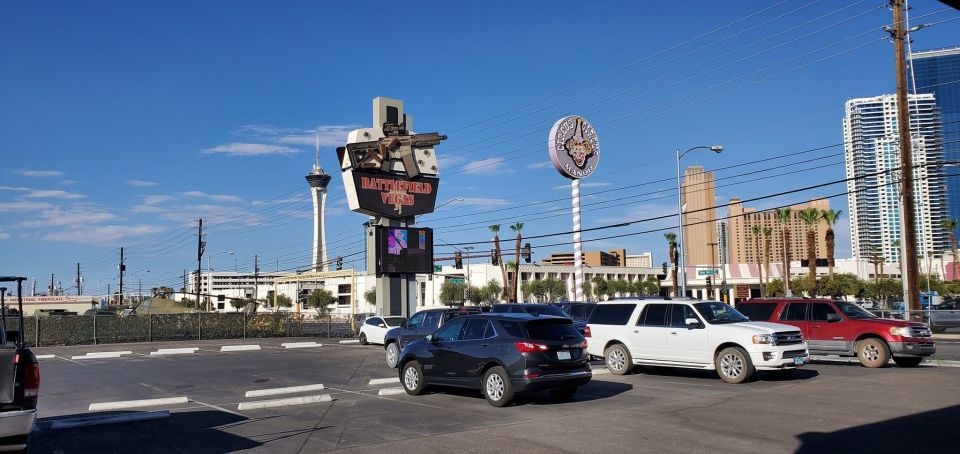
[457, 199]
[140, 282]
[211, 256]
[682, 275]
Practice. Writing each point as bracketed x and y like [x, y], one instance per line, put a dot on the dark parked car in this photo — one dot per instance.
[578, 310]
[418, 326]
[538, 309]
[500, 354]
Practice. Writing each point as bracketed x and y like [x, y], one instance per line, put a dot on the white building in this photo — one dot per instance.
[871, 146]
[644, 260]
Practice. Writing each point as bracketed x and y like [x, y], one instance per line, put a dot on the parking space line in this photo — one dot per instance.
[287, 390]
[72, 361]
[406, 401]
[284, 402]
[218, 408]
[117, 405]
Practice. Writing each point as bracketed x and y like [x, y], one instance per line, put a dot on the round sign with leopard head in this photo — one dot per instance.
[574, 147]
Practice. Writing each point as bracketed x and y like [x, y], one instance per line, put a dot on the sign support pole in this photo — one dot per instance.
[577, 248]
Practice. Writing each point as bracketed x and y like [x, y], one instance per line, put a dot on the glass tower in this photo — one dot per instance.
[938, 72]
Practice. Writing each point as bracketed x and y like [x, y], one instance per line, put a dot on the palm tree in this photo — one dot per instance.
[757, 231]
[516, 227]
[950, 225]
[810, 217]
[498, 256]
[896, 246]
[830, 217]
[783, 217]
[672, 251]
[767, 231]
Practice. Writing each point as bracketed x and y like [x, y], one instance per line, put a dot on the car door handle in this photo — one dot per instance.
[636, 331]
[673, 332]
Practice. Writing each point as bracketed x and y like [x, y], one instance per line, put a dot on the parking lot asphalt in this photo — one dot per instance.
[823, 408]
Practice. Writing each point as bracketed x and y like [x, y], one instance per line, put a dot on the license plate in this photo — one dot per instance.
[563, 354]
[798, 360]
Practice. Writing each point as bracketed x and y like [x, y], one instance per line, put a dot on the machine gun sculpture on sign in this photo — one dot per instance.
[387, 170]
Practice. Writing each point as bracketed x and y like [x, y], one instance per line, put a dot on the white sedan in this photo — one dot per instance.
[375, 328]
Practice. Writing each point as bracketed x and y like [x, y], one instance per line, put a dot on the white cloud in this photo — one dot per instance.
[250, 149]
[540, 165]
[23, 205]
[141, 183]
[214, 197]
[330, 136]
[489, 166]
[583, 185]
[4, 236]
[14, 188]
[74, 216]
[155, 199]
[39, 173]
[53, 194]
[101, 234]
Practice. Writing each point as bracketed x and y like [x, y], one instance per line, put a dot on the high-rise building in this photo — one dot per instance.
[318, 181]
[872, 160]
[722, 243]
[938, 72]
[644, 260]
[616, 257]
[742, 244]
[699, 230]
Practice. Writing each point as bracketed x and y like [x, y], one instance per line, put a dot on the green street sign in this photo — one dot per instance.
[437, 268]
[456, 280]
[706, 272]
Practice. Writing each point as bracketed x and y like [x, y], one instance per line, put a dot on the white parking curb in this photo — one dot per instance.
[287, 390]
[600, 371]
[46, 356]
[300, 345]
[391, 391]
[383, 381]
[137, 403]
[108, 419]
[175, 351]
[284, 402]
[239, 348]
[99, 355]
[351, 341]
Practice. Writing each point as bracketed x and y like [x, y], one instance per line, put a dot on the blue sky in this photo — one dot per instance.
[121, 123]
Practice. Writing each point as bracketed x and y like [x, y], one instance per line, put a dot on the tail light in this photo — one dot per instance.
[530, 347]
[582, 345]
[31, 379]
[586, 331]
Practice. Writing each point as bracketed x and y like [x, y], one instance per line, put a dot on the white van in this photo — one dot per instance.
[692, 334]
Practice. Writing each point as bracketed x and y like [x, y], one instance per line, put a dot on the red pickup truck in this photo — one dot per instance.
[845, 329]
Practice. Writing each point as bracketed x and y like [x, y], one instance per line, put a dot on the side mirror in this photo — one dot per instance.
[834, 317]
[692, 323]
[429, 338]
[382, 325]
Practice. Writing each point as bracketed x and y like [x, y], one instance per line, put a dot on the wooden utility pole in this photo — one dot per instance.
[908, 210]
[122, 269]
[200, 245]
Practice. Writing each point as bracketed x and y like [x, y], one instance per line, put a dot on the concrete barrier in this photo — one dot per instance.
[287, 390]
[300, 345]
[175, 351]
[284, 402]
[384, 381]
[119, 405]
[391, 391]
[239, 348]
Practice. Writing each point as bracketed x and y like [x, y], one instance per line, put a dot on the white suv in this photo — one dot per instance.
[692, 334]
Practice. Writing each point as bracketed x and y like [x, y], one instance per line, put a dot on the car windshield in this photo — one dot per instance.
[852, 310]
[393, 321]
[719, 313]
[549, 310]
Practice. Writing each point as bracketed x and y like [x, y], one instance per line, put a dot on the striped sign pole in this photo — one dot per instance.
[577, 250]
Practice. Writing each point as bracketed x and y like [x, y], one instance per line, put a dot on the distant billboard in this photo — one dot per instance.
[404, 250]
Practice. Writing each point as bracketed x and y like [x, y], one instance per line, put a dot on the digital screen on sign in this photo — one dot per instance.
[404, 250]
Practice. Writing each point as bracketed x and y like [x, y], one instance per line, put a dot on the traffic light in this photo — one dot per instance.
[710, 285]
[494, 260]
[302, 296]
[458, 260]
[526, 253]
[339, 263]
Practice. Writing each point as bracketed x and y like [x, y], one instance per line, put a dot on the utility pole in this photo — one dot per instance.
[79, 288]
[713, 266]
[53, 289]
[200, 245]
[256, 278]
[122, 269]
[909, 238]
[185, 281]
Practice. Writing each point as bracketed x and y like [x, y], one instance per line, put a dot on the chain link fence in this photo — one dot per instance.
[941, 321]
[90, 330]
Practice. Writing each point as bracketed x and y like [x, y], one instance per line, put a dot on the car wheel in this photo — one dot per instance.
[564, 393]
[618, 359]
[908, 361]
[734, 365]
[393, 354]
[363, 339]
[873, 353]
[412, 378]
[496, 387]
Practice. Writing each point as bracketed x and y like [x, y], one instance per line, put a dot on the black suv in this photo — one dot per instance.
[578, 310]
[538, 309]
[418, 326]
[501, 354]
